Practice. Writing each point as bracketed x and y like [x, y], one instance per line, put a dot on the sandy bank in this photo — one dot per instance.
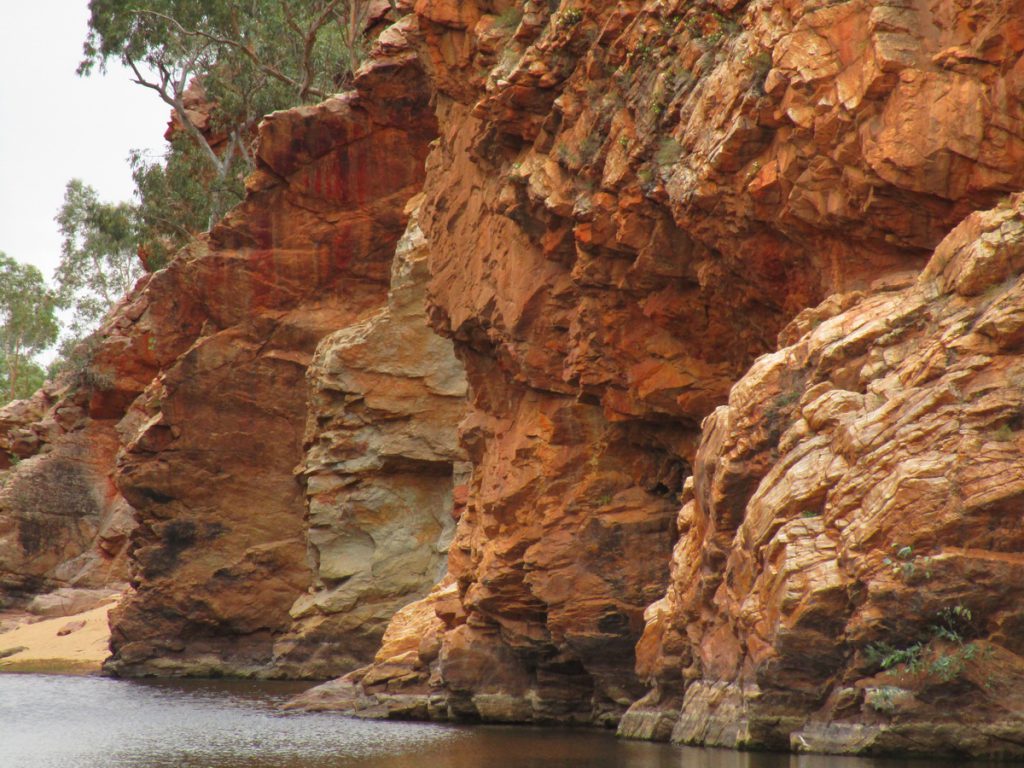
[39, 646]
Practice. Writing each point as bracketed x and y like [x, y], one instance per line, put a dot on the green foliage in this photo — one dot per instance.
[27, 326]
[76, 359]
[176, 198]
[517, 175]
[884, 698]
[948, 666]
[669, 24]
[30, 377]
[570, 17]
[99, 257]
[249, 53]
[887, 656]
[905, 563]
[244, 59]
[641, 52]
[953, 625]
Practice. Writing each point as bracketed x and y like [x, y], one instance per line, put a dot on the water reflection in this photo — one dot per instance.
[727, 758]
[76, 722]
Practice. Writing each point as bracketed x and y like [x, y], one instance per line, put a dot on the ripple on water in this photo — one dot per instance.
[92, 722]
[83, 722]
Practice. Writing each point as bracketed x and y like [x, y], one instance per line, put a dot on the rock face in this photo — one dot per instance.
[209, 449]
[848, 572]
[197, 385]
[627, 203]
[196, 390]
[381, 463]
[62, 522]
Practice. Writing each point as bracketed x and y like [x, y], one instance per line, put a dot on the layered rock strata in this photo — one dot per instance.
[196, 383]
[627, 203]
[848, 572]
[380, 472]
[209, 449]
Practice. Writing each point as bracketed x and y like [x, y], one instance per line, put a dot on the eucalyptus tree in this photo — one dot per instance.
[249, 57]
[99, 257]
[27, 326]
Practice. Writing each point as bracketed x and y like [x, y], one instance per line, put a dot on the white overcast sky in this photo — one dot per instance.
[55, 126]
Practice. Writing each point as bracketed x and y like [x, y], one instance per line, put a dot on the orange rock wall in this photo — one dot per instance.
[860, 496]
[627, 204]
[62, 522]
[210, 448]
[196, 390]
[381, 466]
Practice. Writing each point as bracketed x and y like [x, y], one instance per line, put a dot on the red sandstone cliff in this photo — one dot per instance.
[848, 572]
[197, 384]
[62, 522]
[626, 204]
[209, 449]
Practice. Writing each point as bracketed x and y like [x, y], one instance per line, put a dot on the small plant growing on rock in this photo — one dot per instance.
[887, 656]
[570, 17]
[517, 176]
[710, 26]
[589, 148]
[641, 52]
[905, 563]
[777, 413]
[953, 625]
[1002, 434]
[884, 699]
[669, 24]
[572, 156]
[760, 64]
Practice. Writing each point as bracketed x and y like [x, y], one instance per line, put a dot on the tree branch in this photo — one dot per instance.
[172, 95]
[247, 51]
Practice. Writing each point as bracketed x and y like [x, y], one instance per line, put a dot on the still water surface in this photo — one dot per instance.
[91, 722]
